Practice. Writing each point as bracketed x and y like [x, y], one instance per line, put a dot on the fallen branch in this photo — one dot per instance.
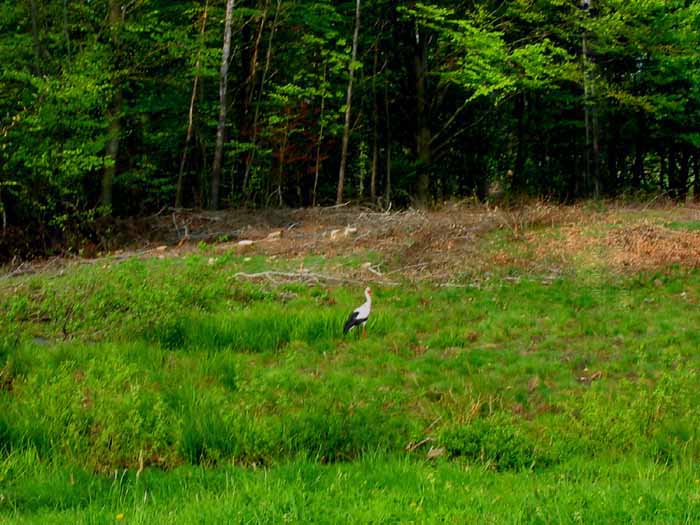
[455, 285]
[665, 193]
[413, 446]
[20, 270]
[374, 271]
[177, 230]
[335, 206]
[26, 268]
[159, 212]
[306, 276]
[410, 266]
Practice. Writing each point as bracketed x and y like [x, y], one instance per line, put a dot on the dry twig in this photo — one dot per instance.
[305, 276]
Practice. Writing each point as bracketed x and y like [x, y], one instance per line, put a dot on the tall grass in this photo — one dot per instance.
[257, 329]
[376, 489]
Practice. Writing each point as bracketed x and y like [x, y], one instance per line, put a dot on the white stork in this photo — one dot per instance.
[360, 315]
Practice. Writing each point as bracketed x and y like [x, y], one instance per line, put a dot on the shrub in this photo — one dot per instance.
[494, 441]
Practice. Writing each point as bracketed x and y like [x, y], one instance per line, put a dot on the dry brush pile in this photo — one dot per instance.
[452, 243]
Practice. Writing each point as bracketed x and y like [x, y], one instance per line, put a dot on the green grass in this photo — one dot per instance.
[375, 489]
[684, 225]
[567, 401]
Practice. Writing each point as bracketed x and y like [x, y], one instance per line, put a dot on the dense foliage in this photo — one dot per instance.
[112, 108]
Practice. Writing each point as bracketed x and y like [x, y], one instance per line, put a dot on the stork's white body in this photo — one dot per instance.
[360, 315]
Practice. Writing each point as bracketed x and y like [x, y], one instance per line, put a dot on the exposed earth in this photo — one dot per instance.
[455, 242]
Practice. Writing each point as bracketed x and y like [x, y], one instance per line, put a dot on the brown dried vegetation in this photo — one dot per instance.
[443, 245]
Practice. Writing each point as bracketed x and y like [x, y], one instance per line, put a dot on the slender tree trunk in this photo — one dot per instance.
[190, 114]
[65, 32]
[592, 182]
[223, 83]
[387, 118]
[35, 35]
[683, 173]
[348, 104]
[375, 132]
[673, 185]
[203, 171]
[423, 138]
[248, 130]
[638, 174]
[611, 184]
[268, 58]
[280, 171]
[252, 75]
[114, 113]
[696, 175]
[587, 117]
[623, 169]
[596, 147]
[518, 180]
[320, 136]
[662, 170]
[3, 212]
[112, 152]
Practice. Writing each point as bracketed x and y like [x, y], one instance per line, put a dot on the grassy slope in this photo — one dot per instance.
[559, 401]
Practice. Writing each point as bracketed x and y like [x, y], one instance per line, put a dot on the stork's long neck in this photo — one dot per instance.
[368, 302]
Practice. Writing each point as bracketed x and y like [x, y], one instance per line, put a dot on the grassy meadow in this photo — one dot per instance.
[163, 390]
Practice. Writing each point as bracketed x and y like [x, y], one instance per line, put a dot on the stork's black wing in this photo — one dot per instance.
[352, 321]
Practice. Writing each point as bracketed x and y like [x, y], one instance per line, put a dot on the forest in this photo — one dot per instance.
[122, 108]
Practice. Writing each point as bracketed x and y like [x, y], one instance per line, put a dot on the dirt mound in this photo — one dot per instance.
[456, 242]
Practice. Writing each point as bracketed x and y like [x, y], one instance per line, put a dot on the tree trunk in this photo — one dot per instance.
[662, 170]
[250, 159]
[638, 175]
[4, 213]
[203, 180]
[375, 132]
[114, 113]
[518, 181]
[423, 135]
[253, 66]
[696, 175]
[317, 168]
[112, 153]
[592, 182]
[280, 171]
[251, 126]
[684, 173]
[672, 173]
[190, 115]
[611, 184]
[596, 148]
[35, 35]
[348, 104]
[387, 119]
[65, 32]
[223, 82]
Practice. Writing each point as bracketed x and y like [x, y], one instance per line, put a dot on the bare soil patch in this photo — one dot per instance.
[439, 245]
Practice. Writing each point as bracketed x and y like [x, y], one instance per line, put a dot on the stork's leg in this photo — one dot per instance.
[364, 330]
